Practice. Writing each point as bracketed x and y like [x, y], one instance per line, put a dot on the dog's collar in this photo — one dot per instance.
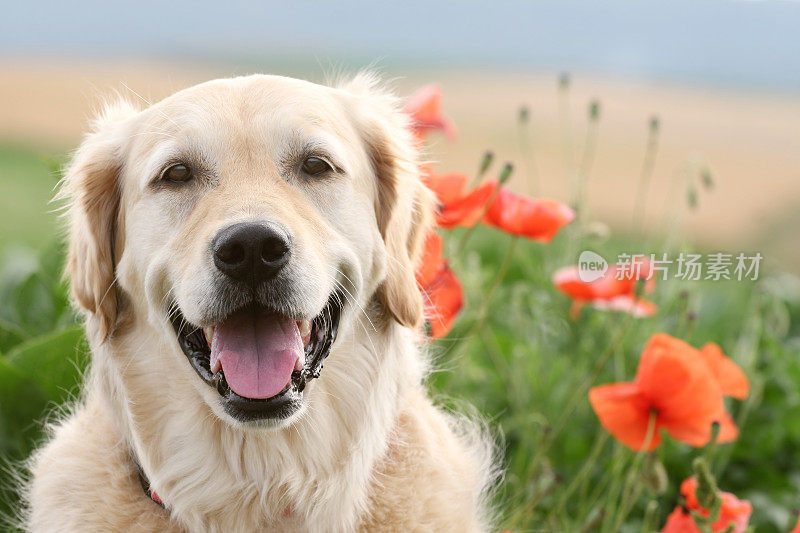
[148, 490]
[150, 493]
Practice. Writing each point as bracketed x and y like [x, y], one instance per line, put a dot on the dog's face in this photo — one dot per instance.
[246, 218]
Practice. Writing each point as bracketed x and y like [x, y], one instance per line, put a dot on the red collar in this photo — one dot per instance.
[146, 485]
[150, 493]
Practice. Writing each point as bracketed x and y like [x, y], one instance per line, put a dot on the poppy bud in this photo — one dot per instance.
[505, 174]
[594, 110]
[650, 516]
[707, 179]
[486, 162]
[597, 231]
[707, 493]
[655, 475]
[691, 196]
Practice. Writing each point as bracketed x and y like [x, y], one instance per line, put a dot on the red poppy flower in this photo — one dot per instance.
[456, 206]
[733, 512]
[431, 260]
[467, 210]
[613, 291]
[674, 384]
[538, 219]
[440, 287]
[425, 108]
[680, 520]
[730, 377]
[638, 307]
[444, 298]
[447, 187]
[796, 528]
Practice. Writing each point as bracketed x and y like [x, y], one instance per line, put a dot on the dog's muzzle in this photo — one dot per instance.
[195, 345]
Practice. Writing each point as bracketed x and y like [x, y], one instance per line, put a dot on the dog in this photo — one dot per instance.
[244, 254]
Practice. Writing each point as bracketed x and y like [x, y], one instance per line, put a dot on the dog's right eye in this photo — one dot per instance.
[314, 166]
[177, 173]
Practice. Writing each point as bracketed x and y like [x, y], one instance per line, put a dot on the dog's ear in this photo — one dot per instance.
[404, 206]
[91, 191]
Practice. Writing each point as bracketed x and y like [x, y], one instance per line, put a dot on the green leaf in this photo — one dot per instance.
[10, 335]
[21, 403]
[55, 362]
[34, 304]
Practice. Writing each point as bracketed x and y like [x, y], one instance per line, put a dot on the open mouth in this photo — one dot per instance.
[259, 360]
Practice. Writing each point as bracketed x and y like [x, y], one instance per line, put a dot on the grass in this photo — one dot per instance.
[27, 179]
[517, 357]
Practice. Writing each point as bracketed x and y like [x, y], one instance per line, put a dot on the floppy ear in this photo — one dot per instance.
[91, 190]
[404, 206]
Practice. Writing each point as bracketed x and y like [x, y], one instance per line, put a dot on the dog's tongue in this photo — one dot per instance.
[257, 352]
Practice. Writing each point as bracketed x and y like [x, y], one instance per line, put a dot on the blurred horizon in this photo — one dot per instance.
[723, 76]
[750, 44]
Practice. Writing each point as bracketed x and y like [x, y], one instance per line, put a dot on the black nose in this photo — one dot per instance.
[251, 252]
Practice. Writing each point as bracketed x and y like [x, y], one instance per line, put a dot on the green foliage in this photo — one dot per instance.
[27, 179]
[42, 354]
[529, 368]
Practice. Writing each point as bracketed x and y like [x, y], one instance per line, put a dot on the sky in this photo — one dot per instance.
[753, 43]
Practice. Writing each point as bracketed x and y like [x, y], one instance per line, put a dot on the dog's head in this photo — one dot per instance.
[244, 217]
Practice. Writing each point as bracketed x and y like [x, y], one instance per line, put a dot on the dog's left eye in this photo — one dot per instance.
[315, 165]
[177, 173]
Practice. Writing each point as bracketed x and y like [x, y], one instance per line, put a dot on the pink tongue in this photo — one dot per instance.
[257, 352]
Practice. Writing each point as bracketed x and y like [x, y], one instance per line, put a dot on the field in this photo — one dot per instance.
[515, 354]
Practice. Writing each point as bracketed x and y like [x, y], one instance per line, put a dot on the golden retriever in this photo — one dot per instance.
[223, 243]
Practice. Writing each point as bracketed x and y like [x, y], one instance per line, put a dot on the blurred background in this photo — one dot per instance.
[722, 76]
[699, 97]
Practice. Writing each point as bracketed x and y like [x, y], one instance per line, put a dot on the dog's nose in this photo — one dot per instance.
[251, 252]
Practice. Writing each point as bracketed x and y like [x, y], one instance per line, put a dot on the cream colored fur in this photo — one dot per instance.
[369, 451]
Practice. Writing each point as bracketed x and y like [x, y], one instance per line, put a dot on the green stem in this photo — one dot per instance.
[580, 179]
[587, 159]
[584, 472]
[487, 298]
[646, 173]
[634, 480]
[566, 126]
[525, 143]
[608, 483]
[572, 404]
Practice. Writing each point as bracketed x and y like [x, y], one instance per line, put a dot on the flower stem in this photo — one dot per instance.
[646, 173]
[579, 180]
[633, 482]
[487, 298]
[566, 126]
[505, 174]
[525, 148]
[572, 403]
[599, 444]
[587, 159]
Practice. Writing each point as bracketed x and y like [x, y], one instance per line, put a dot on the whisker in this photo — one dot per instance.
[348, 295]
[353, 298]
[146, 101]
